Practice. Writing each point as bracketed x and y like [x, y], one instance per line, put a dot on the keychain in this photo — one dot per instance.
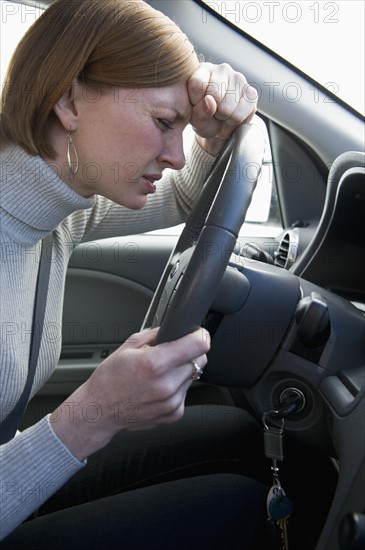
[279, 506]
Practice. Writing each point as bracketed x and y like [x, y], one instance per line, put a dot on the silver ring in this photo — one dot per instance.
[197, 371]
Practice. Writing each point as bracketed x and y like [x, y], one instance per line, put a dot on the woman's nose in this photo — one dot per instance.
[173, 155]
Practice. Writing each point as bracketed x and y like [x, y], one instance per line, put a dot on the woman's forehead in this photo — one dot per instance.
[174, 97]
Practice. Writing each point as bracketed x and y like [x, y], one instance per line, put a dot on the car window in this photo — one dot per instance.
[323, 39]
[262, 217]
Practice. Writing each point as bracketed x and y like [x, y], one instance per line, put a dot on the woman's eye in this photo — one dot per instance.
[166, 124]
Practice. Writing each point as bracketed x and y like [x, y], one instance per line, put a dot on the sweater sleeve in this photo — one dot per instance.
[175, 196]
[33, 466]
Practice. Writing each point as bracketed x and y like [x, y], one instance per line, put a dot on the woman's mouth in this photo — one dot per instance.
[150, 182]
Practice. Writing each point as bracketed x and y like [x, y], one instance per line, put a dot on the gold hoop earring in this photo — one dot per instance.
[73, 167]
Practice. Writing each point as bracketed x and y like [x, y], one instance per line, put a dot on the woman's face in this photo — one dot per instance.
[126, 138]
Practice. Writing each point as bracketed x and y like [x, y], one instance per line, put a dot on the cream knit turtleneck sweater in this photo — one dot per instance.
[35, 202]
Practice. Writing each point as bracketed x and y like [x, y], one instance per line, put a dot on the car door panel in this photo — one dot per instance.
[108, 289]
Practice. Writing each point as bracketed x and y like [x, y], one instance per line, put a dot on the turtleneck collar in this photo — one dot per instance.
[33, 198]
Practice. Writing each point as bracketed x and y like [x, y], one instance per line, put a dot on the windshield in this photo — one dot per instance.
[323, 39]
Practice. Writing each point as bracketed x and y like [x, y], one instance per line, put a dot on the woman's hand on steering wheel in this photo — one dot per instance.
[139, 386]
[222, 100]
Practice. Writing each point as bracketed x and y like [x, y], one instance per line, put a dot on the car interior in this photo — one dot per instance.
[272, 262]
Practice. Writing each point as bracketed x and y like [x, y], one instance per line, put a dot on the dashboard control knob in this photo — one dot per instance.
[312, 318]
[352, 532]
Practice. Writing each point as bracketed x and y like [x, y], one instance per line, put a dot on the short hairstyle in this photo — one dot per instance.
[102, 43]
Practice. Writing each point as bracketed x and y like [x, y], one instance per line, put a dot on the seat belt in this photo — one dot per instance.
[11, 423]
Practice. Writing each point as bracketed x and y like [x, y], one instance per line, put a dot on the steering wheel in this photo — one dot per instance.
[199, 260]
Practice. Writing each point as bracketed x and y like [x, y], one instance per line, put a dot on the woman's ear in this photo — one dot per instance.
[66, 108]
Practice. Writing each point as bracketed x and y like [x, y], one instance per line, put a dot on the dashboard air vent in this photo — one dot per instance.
[281, 255]
[292, 242]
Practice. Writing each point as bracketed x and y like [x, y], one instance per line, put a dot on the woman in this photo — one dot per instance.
[96, 99]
